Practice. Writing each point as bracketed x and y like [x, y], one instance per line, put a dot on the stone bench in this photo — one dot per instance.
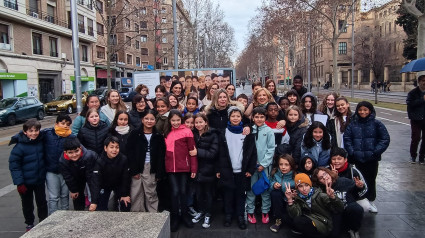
[103, 225]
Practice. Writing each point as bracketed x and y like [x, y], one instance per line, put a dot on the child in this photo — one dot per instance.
[28, 170]
[189, 121]
[264, 142]
[317, 142]
[365, 139]
[283, 103]
[76, 166]
[111, 174]
[180, 163]
[138, 110]
[310, 208]
[296, 126]
[207, 150]
[307, 165]
[337, 125]
[121, 129]
[236, 164]
[281, 135]
[94, 132]
[327, 107]
[309, 106]
[293, 97]
[243, 99]
[53, 145]
[191, 106]
[282, 174]
[146, 154]
[163, 108]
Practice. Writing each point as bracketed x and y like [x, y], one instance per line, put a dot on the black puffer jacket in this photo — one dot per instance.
[296, 133]
[416, 104]
[78, 173]
[122, 139]
[224, 166]
[218, 119]
[93, 137]
[137, 146]
[135, 118]
[111, 174]
[207, 146]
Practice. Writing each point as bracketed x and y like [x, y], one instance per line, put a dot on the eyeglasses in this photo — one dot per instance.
[325, 175]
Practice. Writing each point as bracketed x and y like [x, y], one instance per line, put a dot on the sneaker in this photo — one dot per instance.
[198, 217]
[357, 234]
[276, 226]
[251, 218]
[207, 222]
[28, 228]
[413, 160]
[227, 220]
[192, 211]
[352, 234]
[421, 161]
[241, 223]
[265, 218]
[373, 208]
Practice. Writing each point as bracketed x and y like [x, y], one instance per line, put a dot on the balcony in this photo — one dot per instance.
[12, 5]
[4, 46]
[44, 16]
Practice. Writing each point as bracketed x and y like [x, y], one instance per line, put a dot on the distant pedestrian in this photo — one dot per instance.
[416, 111]
[49, 97]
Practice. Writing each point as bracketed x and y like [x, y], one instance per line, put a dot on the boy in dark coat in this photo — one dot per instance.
[76, 166]
[111, 173]
[53, 145]
[26, 165]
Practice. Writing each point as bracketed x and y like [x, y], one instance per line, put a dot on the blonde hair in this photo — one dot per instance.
[269, 96]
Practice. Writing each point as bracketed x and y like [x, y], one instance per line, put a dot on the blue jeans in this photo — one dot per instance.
[58, 192]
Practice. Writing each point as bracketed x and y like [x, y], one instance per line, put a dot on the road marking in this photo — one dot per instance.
[383, 108]
[386, 119]
[386, 113]
[9, 188]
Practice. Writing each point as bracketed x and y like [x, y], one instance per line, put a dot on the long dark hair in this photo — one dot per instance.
[172, 113]
[293, 92]
[115, 121]
[174, 83]
[313, 104]
[309, 140]
[86, 104]
[339, 117]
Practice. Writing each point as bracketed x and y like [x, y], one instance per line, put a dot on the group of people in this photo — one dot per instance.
[195, 141]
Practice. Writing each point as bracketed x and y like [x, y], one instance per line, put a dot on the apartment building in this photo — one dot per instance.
[36, 47]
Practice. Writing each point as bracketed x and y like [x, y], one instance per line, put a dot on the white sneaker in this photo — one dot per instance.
[373, 208]
[207, 222]
[357, 234]
[197, 217]
[192, 211]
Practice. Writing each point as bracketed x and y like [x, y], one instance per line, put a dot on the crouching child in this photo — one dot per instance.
[76, 166]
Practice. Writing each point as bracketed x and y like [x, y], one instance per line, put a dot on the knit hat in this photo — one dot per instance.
[302, 178]
[232, 109]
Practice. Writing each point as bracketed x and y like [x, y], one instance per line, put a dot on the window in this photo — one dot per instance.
[143, 10]
[341, 26]
[99, 6]
[31, 101]
[128, 40]
[84, 53]
[4, 37]
[389, 28]
[164, 20]
[395, 27]
[113, 39]
[114, 58]
[13, 4]
[342, 48]
[100, 52]
[164, 50]
[164, 31]
[164, 40]
[53, 42]
[163, 10]
[81, 24]
[50, 17]
[138, 61]
[127, 23]
[137, 45]
[129, 59]
[143, 24]
[126, 4]
[112, 20]
[90, 27]
[99, 29]
[165, 61]
[144, 38]
[145, 51]
[136, 28]
[36, 44]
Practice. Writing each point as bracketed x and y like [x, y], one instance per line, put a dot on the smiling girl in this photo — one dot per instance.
[114, 103]
[163, 108]
[94, 132]
[92, 101]
[327, 107]
[317, 143]
[338, 124]
[121, 129]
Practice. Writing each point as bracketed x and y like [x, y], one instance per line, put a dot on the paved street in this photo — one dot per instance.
[401, 194]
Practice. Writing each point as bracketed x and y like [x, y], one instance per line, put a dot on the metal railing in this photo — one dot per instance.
[44, 16]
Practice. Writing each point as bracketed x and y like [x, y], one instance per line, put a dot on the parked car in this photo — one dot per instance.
[19, 109]
[101, 93]
[64, 103]
[124, 92]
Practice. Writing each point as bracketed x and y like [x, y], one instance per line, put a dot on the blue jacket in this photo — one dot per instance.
[26, 160]
[365, 139]
[281, 178]
[53, 146]
[264, 141]
[79, 121]
[321, 157]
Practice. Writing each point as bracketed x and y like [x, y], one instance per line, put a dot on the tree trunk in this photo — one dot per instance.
[421, 37]
[335, 78]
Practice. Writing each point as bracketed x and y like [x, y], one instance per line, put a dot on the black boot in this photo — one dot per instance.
[187, 220]
[228, 220]
[241, 222]
[174, 222]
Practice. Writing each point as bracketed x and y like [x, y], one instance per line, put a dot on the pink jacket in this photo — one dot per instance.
[177, 159]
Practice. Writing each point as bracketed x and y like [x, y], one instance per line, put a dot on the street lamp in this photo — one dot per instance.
[352, 48]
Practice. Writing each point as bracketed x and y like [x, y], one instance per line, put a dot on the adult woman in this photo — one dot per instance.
[260, 99]
[231, 90]
[328, 105]
[271, 86]
[345, 189]
[92, 101]
[177, 90]
[202, 88]
[208, 80]
[138, 111]
[189, 86]
[337, 125]
[114, 103]
[210, 93]
[309, 106]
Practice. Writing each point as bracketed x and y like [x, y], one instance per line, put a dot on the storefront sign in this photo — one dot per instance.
[83, 78]
[14, 76]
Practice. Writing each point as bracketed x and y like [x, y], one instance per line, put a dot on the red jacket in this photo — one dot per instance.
[177, 159]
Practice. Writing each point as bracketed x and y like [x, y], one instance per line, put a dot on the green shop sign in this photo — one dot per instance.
[83, 78]
[14, 76]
